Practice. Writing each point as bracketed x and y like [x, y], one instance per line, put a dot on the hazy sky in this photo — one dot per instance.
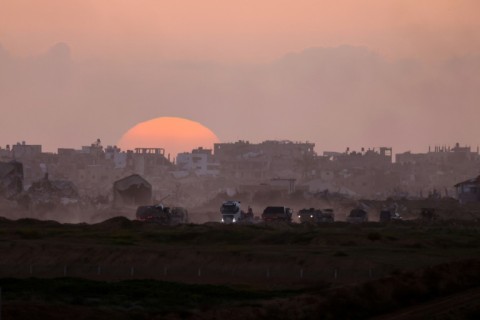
[339, 73]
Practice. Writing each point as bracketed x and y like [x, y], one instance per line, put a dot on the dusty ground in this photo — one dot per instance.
[298, 265]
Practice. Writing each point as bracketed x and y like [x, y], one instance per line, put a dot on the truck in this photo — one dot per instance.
[357, 215]
[313, 215]
[162, 215]
[389, 215]
[231, 212]
[328, 215]
[307, 215]
[277, 214]
[178, 215]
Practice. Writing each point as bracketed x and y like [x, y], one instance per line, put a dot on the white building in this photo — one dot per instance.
[200, 161]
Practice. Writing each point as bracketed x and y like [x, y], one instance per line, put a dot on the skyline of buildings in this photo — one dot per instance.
[371, 172]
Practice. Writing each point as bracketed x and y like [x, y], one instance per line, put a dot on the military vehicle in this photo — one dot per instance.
[162, 215]
[389, 215]
[313, 215]
[277, 214]
[357, 215]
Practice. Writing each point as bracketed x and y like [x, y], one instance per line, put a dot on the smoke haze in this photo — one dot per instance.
[340, 74]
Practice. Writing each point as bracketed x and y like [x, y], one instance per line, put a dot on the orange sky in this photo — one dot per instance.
[253, 30]
[340, 73]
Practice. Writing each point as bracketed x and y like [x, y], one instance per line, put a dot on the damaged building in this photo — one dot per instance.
[47, 195]
[11, 179]
[132, 191]
[436, 170]
[265, 160]
[196, 175]
[468, 191]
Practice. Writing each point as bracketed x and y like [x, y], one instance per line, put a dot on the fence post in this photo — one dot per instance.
[335, 274]
[199, 272]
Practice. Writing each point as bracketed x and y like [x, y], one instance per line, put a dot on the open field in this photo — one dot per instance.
[127, 269]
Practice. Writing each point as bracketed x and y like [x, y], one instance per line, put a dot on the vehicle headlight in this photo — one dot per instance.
[311, 216]
[223, 220]
[234, 220]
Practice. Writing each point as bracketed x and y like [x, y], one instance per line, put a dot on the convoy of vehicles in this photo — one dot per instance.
[232, 213]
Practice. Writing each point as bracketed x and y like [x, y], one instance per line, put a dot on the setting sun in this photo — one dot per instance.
[175, 135]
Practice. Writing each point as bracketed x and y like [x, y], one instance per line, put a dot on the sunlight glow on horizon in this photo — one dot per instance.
[173, 134]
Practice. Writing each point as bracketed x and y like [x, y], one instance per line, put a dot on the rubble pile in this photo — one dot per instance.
[47, 195]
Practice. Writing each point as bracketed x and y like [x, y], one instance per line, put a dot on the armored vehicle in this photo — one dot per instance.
[162, 215]
[313, 215]
[389, 215]
[357, 216]
[271, 214]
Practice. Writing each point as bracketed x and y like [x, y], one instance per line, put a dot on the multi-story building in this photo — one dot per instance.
[370, 158]
[149, 161]
[269, 159]
[6, 154]
[200, 161]
[291, 165]
[25, 151]
[440, 155]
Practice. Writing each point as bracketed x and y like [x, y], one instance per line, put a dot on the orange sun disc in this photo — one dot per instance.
[173, 134]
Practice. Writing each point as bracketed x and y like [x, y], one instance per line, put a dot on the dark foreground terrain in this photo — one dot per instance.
[122, 269]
